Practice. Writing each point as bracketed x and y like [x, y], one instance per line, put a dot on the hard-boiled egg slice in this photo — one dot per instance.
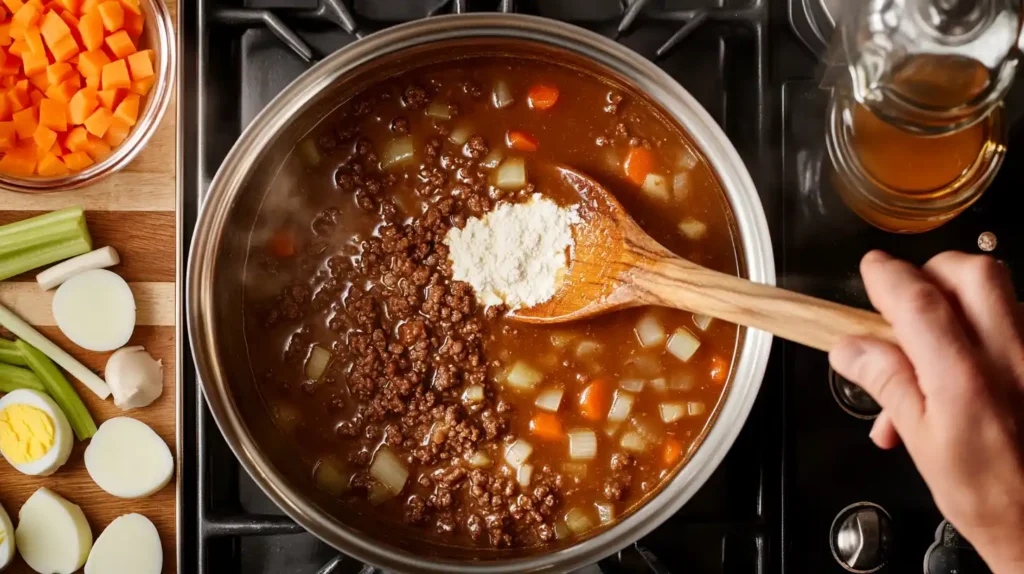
[127, 459]
[53, 535]
[6, 539]
[96, 310]
[35, 436]
[130, 544]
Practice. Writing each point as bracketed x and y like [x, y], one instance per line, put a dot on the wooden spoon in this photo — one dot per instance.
[616, 265]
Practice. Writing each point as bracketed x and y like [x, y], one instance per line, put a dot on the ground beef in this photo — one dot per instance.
[414, 97]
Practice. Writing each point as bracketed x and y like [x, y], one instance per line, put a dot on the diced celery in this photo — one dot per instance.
[60, 390]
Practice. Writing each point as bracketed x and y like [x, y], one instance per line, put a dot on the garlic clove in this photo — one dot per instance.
[135, 378]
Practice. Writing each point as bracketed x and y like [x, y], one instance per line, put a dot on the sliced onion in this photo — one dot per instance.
[659, 384]
[702, 322]
[683, 381]
[523, 376]
[473, 394]
[561, 531]
[632, 441]
[460, 135]
[695, 408]
[681, 185]
[379, 493]
[649, 331]
[692, 228]
[517, 453]
[316, 365]
[578, 521]
[492, 159]
[389, 469]
[511, 174]
[587, 348]
[621, 405]
[682, 344]
[501, 96]
[331, 477]
[656, 186]
[632, 385]
[309, 153]
[439, 110]
[575, 469]
[605, 512]
[671, 412]
[398, 152]
[480, 460]
[582, 444]
[549, 400]
[524, 474]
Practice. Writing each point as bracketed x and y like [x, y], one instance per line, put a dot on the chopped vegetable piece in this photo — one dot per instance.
[90, 28]
[586, 348]
[542, 97]
[561, 530]
[95, 310]
[521, 141]
[549, 400]
[578, 521]
[82, 105]
[398, 152]
[460, 135]
[577, 469]
[511, 174]
[683, 381]
[379, 493]
[671, 451]
[115, 75]
[331, 477]
[281, 243]
[639, 163]
[52, 114]
[621, 406]
[605, 512]
[129, 544]
[120, 44]
[473, 394]
[10, 354]
[582, 444]
[58, 388]
[682, 344]
[681, 185]
[656, 187]
[91, 63]
[78, 160]
[53, 534]
[695, 408]
[632, 441]
[692, 229]
[308, 152]
[595, 400]
[523, 376]
[98, 122]
[719, 369]
[524, 474]
[518, 453]
[632, 385]
[13, 378]
[127, 459]
[41, 240]
[140, 64]
[389, 469]
[547, 426]
[316, 365]
[671, 412]
[659, 384]
[112, 14]
[702, 322]
[479, 459]
[492, 159]
[649, 331]
[439, 110]
[502, 95]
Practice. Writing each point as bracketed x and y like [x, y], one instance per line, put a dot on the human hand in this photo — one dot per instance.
[952, 391]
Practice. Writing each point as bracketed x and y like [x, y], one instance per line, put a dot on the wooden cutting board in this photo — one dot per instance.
[133, 211]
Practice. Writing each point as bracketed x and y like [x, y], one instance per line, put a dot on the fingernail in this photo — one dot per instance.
[877, 256]
[876, 429]
[846, 354]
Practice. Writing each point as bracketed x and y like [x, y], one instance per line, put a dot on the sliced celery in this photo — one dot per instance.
[13, 378]
[60, 390]
[38, 241]
[10, 354]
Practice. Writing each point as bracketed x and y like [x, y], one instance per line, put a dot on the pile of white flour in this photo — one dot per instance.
[515, 254]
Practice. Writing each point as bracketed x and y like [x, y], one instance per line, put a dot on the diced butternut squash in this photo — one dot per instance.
[110, 98]
[25, 123]
[18, 99]
[34, 40]
[93, 82]
[18, 46]
[140, 64]
[13, 5]
[70, 5]
[44, 138]
[65, 49]
[76, 138]
[90, 27]
[25, 16]
[52, 166]
[97, 148]
[18, 163]
[115, 75]
[34, 63]
[9, 135]
[53, 28]
[71, 20]
[128, 109]
[90, 6]
[36, 96]
[98, 122]
[91, 63]
[120, 44]
[57, 73]
[62, 92]
[142, 87]
[117, 132]
[53, 114]
[112, 14]
[131, 7]
[40, 81]
[82, 105]
[77, 160]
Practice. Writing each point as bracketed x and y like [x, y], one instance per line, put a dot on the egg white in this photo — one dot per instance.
[7, 544]
[63, 438]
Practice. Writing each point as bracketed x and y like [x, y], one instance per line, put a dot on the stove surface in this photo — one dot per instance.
[802, 457]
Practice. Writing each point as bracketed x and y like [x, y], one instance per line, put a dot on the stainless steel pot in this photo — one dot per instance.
[221, 241]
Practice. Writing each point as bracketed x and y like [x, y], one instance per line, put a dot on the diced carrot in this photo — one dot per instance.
[143, 86]
[110, 98]
[91, 63]
[26, 16]
[74, 81]
[98, 122]
[65, 49]
[595, 400]
[18, 164]
[5, 34]
[44, 138]
[639, 163]
[134, 24]
[40, 81]
[117, 132]
[546, 426]
[521, 141]
[90, 27]
[52, 166]
[76, 139]
[72, 21]
[542, 96]
[89, 6]
[115, 75]
[671, 451]
[34, 39]
[57, 149]
[131, 6]
[53, 28]
[82, 105]
[120, 44]
[53, 114]
[18, 47]
[5, 108]
[140, 65]
[128, 109]
[34, 63]
[18, 99]
[8, 135]
[57, 73]
[97, 148]
[77, 160]
[113, 15]
[13, 5]
[36, 96]
[281, 243]
[719, 370]
[93, 82]
[62, 92]
[70, 6]
[25, 123]
[37, 3]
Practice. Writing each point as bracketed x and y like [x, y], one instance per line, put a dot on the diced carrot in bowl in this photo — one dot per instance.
[98, 122]
[112, 14]
[82, 105]
[115, 75]
[52, 166]
[120, 44]
[78, 160]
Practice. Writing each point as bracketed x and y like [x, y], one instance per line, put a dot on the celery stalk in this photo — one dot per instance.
[13, 378]
[60, 390]
[10, 354]
[38, 241]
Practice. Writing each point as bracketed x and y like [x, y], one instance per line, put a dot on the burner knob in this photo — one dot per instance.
[861, 536]
[851, 398]
[951, 553]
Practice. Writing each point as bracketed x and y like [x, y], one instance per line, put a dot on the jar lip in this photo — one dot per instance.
[857, 181]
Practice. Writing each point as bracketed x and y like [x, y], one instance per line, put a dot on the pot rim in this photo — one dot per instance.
[754, 244]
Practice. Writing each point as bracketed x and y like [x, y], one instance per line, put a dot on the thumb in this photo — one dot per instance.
[886, 374]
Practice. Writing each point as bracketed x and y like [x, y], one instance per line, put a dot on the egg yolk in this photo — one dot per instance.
[26, 433]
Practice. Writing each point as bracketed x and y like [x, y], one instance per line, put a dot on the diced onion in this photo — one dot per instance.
[587, 348]
[612, 428]
[578, 521]
[492, 159]
[582, 444]
[621, 405]
[398, 152]
[479, 459]
[682, 344]
[692, 228]
[308, 153]
[316, 365]
[681, 185]
[511, 174]
[659, 384]
[460, 135]
[379, 493]
[576, 469]
[671, 412]
[645, 430]
[389, 470]
[645, 366]
[524, 474]
[605, 512]
[502, 95]
[633, 385]
[632, 441]
[561, 338]
[695, 408]
[656, 186]
[473, 394]
[523, 376]
[439, 110]
[331, 477]
[517, 453]
[649, 331]
[549, 400]
[561, 531]
[683, 381]
[688, 160]
[702, 322]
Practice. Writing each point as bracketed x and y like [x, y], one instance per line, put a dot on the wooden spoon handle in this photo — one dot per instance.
[817, 323]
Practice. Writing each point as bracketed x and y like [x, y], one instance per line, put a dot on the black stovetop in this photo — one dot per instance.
[801, 458]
